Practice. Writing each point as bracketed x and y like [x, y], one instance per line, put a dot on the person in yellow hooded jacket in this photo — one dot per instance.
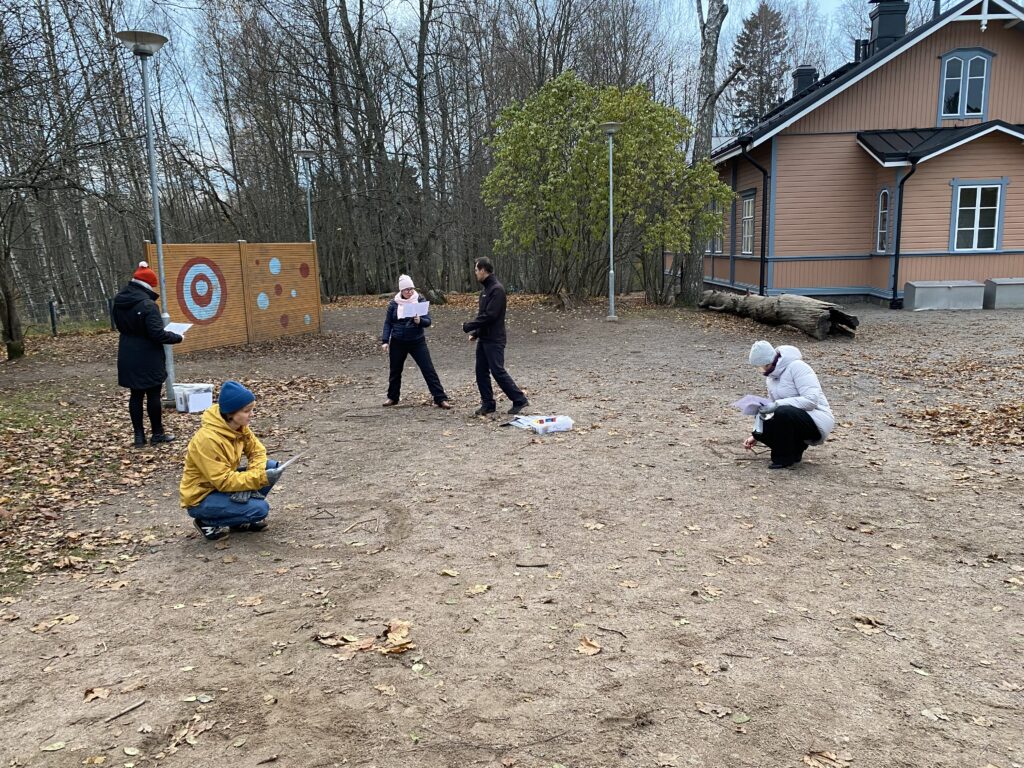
[218, 496]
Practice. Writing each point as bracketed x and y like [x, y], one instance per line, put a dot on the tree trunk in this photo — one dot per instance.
[691, 272]
[815, 318]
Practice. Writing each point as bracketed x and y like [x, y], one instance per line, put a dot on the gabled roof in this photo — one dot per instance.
[847, 75]
[900, 148]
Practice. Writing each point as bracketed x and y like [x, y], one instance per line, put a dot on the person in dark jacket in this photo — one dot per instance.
[141, 366]
[488, 331]
[404, 336]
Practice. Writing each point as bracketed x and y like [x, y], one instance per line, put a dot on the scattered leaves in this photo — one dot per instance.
[588, 647]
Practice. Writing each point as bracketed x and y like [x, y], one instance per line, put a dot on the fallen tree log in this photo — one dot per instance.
[815, 318]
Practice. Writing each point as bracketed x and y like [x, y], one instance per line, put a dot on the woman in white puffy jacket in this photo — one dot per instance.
[798, 414]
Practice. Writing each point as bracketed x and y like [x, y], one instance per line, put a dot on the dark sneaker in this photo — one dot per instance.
[518, 407]
[483, 410]
[389, 402]
[254, 527]
[163, 437]
[210, 532]
[444, 405]
[780, 465]
[140, 439]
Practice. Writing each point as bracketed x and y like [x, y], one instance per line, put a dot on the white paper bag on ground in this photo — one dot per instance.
[543, 424]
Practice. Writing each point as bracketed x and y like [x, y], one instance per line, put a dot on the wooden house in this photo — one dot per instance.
[906, 164]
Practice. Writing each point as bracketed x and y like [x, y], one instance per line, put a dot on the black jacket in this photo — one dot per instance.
[489, 324]
[403, 329]
[140, 353]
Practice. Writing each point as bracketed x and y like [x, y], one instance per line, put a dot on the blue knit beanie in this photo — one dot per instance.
[234, 397]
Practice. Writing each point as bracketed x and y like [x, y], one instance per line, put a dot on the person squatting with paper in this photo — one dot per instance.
[798, 414]
[403, 336]
[218, 495]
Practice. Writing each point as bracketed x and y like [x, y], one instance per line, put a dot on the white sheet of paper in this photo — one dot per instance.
[178, 328]
[749, 404]
[296, 457]
[420, 308]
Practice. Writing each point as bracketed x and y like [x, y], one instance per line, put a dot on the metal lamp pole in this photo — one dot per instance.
[144, 45]
[307, 155]
[609, 129]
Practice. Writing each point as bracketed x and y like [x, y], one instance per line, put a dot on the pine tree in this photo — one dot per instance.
[762, 48]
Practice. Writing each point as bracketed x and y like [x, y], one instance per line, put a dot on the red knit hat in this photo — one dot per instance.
[146, 275]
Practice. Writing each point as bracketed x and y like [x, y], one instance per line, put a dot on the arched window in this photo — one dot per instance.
[965, 84]
[882, 232]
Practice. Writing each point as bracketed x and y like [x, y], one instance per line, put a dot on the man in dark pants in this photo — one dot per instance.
[488, 330]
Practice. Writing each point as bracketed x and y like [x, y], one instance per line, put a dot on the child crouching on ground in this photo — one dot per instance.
[216, 493]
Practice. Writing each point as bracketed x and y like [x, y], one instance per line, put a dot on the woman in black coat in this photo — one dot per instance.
[141, 366]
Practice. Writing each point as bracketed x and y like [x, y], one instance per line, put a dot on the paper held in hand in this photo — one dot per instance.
[749, 404]
[296, 457]
[418, 309]
[178, 328]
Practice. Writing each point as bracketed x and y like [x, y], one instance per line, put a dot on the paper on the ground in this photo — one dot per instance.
[749, 404]
[178, 328]
[412, 310]
[296, 457]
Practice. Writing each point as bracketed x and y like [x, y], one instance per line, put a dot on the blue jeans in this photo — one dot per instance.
[218, 508]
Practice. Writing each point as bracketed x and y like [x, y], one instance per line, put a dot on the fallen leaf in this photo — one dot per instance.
[55, 747]
[666, 761]
[251, 602]
[387, 690]
[450, 572]
[588, 647]
[739, 718]
[131, 751]
[91, 694]
[868, 625]
[935, 714]
[628, 584]
[712, 709]
[478, 589]
[94, 760]
[239, 742]
[828, 759]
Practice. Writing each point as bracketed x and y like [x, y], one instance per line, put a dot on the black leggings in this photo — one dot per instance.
[153, 406]
[787, 433]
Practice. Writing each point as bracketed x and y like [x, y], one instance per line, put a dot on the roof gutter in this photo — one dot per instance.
[765, 186]
[895, 303]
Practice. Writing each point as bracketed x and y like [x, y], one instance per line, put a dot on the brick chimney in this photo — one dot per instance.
[888, 24]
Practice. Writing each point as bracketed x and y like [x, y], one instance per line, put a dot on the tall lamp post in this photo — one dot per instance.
[609, 129]
[144, 45]
[307, 156]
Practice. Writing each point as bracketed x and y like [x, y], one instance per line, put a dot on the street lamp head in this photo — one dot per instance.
[141, 43]
[610, 128]
[306, 154]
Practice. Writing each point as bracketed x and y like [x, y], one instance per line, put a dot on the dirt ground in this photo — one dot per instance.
[863, 609]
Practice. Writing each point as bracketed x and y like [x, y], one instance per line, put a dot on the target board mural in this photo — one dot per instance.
[241, 292]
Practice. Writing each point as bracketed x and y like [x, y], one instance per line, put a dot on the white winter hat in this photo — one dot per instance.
[404, 281]
[762, 353]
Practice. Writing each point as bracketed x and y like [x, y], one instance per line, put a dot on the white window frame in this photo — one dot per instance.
[965, 57]
[747, 225]
[882, 222]
[977, 208]
[714, 243]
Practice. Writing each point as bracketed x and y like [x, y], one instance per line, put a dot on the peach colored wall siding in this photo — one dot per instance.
[973, 267]
[748, 178]
[748, 271]
[927, 206]
[905, 92]
[825, 196]
[821, 274]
